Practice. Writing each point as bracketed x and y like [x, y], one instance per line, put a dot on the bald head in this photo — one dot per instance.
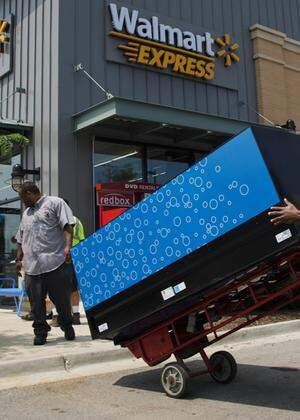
[29, 193]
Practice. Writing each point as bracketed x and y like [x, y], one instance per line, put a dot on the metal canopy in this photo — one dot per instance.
[140, 111]
[12, 125]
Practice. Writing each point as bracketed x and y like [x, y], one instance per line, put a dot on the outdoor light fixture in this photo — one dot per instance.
[18, 174]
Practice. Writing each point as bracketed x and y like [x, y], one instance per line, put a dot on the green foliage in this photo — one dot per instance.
[9, 141]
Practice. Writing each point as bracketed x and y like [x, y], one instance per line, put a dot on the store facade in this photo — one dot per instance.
[177, 78]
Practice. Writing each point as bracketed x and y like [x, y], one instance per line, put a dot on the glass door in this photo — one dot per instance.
[115, 162]
[164, 164]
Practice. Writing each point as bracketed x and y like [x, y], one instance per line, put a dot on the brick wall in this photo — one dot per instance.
[277, 66]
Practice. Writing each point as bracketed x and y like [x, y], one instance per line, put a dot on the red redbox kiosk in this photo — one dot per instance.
[112, 199]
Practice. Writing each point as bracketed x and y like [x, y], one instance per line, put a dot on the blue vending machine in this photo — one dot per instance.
[206, 225]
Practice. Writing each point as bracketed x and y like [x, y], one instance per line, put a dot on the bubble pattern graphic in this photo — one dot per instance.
[218, 194]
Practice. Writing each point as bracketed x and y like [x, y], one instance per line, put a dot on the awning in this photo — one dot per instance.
[139, 121]
[14, 126]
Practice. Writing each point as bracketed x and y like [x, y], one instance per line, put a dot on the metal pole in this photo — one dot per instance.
[80, 67]
[17, 90]
[258, 113]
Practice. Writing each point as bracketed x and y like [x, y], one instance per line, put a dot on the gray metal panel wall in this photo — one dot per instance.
[35, 68]
[75, 157]
[82, 26]
[53, 35]
[233, 16]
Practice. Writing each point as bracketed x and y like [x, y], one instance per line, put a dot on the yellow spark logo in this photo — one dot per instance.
[4, 34]
[227, 50]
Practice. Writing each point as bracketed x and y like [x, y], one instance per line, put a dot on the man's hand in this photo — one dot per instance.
[19, 259]
[284, 215]
[19, 268]
[68, 255]
[68, 232]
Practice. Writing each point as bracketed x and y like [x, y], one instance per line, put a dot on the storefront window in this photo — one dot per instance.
[10, 210]
[6, 191]
[165, 164]
[9, 223]
[117, 163]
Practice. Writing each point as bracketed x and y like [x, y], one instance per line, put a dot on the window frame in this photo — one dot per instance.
[144, 152]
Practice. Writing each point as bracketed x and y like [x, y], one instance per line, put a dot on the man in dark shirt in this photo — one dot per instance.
[44, 242]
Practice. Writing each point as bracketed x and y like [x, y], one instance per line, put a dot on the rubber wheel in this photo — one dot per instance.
[174, 379]
[224, 367]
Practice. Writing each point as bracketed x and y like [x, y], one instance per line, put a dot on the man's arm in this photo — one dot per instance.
[66, 221]
[285, 215]
[19, 259]
[20, 254]
[68, 232]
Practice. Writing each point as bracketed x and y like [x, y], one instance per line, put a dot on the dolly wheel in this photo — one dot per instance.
[224, 367]
[174, 380]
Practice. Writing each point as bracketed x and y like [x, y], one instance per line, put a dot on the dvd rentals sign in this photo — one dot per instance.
[122, 195]
[152, 42]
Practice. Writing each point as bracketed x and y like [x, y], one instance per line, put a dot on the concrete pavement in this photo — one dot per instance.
[23, 364]
[16, 338]
[266, 388]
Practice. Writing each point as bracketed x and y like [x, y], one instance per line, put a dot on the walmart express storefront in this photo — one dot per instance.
[140, 145]
[124, 95]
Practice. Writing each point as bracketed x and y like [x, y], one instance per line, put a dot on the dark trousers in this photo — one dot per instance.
[57, 285]
[28, 292]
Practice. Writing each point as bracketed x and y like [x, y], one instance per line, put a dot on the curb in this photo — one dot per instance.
[263, 331]
[69, 362]
[63, 362]
[72, 361]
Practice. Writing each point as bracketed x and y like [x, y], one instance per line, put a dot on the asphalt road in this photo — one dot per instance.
[267, 387]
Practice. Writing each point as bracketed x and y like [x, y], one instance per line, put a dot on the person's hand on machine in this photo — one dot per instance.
[287, 214]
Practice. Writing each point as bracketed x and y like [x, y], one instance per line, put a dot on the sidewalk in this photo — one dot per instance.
[19, 358]
[16, 338]
[23, 364]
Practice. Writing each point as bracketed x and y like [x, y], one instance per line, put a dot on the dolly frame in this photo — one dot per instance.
[267, 287]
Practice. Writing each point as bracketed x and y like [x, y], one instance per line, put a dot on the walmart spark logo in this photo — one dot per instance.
[4, 35]
[228, 51]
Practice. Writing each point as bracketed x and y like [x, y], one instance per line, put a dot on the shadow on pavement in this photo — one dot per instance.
[273, 387]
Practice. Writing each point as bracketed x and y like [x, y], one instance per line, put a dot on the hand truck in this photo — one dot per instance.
[259, 291]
